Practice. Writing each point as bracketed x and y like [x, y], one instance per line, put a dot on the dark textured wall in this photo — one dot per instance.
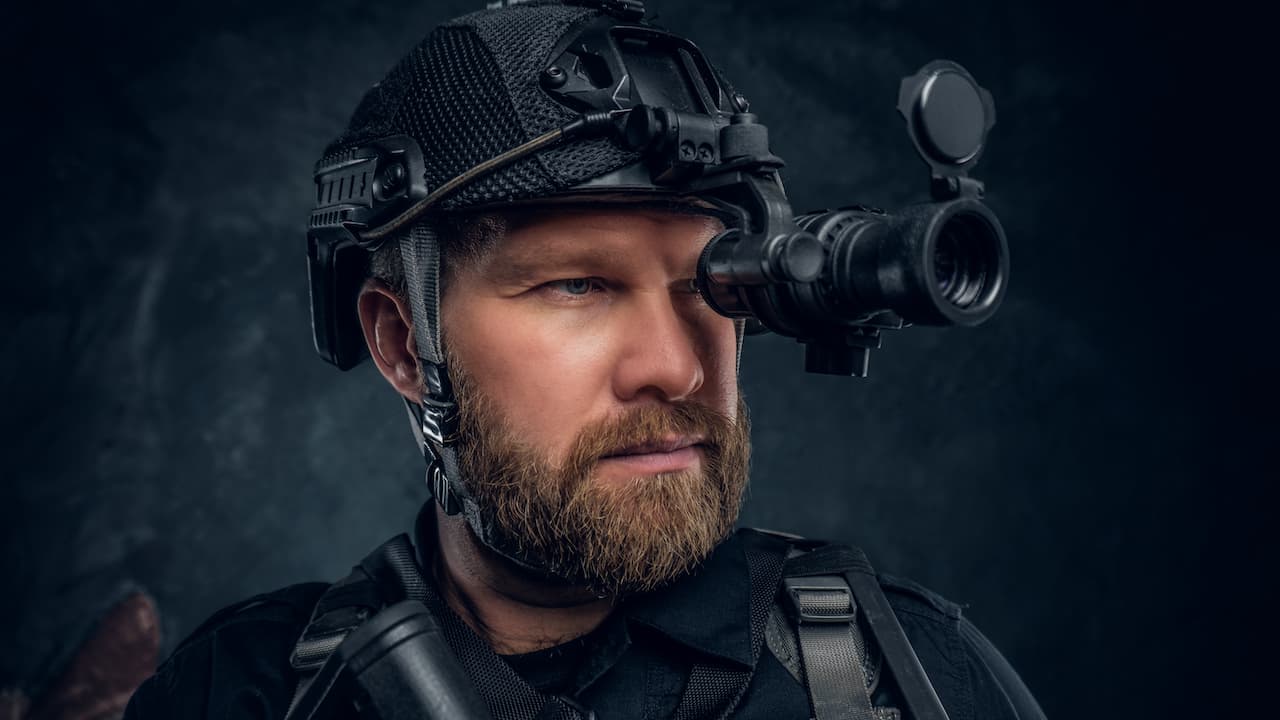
[1077, 472]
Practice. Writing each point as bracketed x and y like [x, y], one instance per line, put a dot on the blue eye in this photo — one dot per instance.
[574, 286]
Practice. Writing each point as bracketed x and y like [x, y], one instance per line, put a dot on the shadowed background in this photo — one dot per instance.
[1076, 472]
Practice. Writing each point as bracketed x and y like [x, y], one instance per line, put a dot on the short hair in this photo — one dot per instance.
[465, 238]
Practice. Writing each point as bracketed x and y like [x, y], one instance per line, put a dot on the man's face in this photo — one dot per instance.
[602, 428]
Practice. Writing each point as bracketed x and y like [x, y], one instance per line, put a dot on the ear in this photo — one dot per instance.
[388, 330]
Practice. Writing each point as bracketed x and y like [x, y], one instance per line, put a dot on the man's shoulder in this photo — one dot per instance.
[970, 675]
[909, 596]
[236, 661]
[289, 606]
[904, 595]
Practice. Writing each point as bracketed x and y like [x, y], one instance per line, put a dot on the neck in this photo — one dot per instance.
[516, 610]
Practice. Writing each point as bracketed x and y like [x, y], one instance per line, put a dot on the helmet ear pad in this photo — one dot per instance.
[337, 268]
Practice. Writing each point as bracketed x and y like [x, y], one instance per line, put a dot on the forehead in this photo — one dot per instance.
[615, 231]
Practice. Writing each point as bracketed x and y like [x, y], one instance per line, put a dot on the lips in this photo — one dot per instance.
[668, 444]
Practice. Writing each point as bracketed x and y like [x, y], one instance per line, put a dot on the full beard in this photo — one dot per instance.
[614, 538]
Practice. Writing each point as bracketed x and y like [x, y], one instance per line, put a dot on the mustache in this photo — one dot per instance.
[651, 428]
[666, 444]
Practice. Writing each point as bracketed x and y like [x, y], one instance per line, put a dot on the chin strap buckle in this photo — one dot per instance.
[438, 483]
[435, 426]
[439, 417]
[439, 420]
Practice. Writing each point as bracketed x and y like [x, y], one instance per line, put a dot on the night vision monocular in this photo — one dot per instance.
[833, 280]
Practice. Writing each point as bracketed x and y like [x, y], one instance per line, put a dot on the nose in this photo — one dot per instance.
[662, 354]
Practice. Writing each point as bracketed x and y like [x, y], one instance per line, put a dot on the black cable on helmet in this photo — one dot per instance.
[585, 125]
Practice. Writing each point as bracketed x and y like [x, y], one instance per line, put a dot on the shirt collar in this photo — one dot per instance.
[708, 610]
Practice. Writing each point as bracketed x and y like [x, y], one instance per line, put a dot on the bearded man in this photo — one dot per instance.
[526, 283]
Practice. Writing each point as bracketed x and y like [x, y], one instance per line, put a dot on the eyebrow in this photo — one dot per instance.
[521, 264]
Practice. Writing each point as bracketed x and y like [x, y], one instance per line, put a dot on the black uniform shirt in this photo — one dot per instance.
[635, 665]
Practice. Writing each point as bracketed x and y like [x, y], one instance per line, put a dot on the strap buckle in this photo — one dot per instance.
[439, 408]
[439, 420]
[820, 599]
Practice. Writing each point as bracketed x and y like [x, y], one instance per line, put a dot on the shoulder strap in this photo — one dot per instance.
[818, 583]
[831, 651]
[387, 576]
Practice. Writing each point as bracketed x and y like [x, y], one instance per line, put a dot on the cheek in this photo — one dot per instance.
[545, 376]
[721, 368]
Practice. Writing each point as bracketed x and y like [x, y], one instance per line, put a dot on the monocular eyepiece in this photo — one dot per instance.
[965, 263]
[966, 260]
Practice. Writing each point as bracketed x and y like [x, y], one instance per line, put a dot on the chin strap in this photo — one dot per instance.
[435, 419]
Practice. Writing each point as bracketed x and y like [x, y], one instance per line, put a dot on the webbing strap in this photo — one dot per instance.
[432, 417]
[391, 574]
[386, 576]
[921, 700]
[830, 653]
[918, 695]
[420, 255]
[322, 636]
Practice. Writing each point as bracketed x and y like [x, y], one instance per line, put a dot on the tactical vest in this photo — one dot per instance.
[817, 606]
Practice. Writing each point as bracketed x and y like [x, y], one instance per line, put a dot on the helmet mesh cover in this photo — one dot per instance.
[470, 91]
